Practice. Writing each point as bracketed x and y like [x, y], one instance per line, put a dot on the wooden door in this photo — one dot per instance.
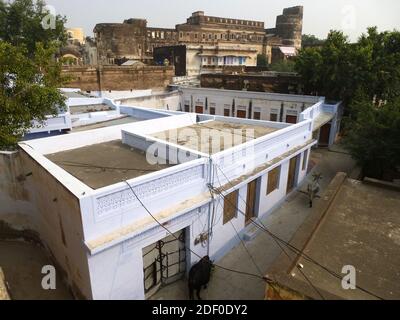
[251, 201]
[273, 117]
[241, 114]
[199, 109]
[324, 134]
[291, 183]
[291, 119]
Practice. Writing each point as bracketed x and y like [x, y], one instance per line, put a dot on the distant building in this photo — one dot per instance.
[76, 36]
[192, 60]
[134, 40]
[283, 108]
[90, 52]
[73, 52]
[130, 40]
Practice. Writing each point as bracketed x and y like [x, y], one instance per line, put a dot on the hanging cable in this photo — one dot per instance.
[282, 249]
[297, 251]
[176, 238]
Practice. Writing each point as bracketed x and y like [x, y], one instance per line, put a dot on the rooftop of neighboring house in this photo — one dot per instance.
[223, 135]
[354, 224]
[75, 94]
[90, 108]
[108, 123]
[103, 164]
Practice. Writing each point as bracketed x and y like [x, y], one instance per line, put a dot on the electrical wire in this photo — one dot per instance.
[251, 256]
[282, 249]
[299, 252]
[176, 238]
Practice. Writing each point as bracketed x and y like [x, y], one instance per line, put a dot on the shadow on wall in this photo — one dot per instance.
[22, 257]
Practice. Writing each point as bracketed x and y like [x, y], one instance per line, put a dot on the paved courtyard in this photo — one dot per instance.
[283, 222]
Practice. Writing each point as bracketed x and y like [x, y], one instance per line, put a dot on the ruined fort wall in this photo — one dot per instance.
[134, 40]
[289, 26]
[119, 78]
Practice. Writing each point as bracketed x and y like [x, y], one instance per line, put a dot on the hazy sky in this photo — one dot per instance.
[351, 16]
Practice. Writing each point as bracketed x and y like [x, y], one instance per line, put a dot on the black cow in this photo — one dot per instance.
[199, 276]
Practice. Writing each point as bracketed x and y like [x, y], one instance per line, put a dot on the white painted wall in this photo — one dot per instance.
[265, 103]
[115, 221]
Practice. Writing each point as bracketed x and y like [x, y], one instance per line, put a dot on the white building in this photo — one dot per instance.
[91, 195]
[213, 58]
[274, 107]
[81, 110]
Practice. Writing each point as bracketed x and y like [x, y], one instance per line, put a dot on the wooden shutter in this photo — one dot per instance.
[230, 206]
[273, 117]
[273, 180]
[241, 114]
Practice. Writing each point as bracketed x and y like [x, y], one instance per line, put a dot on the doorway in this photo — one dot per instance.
[199, 109]
[251, 201]
[164, 262]
[324, 134]
[293, 165]
[291, 119]
[241, 114]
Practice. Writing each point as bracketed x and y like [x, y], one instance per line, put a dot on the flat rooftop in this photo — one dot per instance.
[90, 108]
[104, 164]
[75, 94]
[223, 135]
[108, 123]
[361, 228]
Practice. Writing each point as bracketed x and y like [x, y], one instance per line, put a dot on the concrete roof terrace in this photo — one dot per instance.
[214, 136]
[77, 109]
[103, 164]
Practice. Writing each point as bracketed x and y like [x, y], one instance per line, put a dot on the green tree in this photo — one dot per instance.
[372, 137]
[282, 66]
[309, 40]
[327, 70]
[366, 76]
[338, 68]
[381, 71]
[21, 24]
[29, 74]
[262, 60]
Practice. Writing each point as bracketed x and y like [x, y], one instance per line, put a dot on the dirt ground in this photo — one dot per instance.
[22, 264]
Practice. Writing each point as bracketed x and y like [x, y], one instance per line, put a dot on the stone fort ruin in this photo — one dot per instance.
[133, 39]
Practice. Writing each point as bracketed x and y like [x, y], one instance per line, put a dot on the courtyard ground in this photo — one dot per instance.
[22, 264]
[283, 222]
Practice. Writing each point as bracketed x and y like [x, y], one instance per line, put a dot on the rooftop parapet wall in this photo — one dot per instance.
[250, 95]
[119, 78]
[198, 18]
